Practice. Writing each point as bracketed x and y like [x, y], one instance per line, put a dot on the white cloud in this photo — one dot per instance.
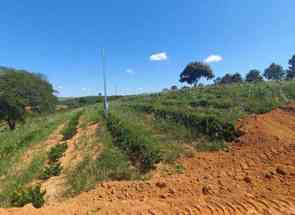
[213, 59]
[161, 56]
[130, 71]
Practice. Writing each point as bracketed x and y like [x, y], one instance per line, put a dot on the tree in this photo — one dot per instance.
[195, 71]
[20, 89]
[254, 76]
[174, 87]
[274, 72]
[291, 70]
[236, 78]
[229, 79]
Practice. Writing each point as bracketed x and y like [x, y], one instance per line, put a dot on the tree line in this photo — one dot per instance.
[194, 71]
[22, 91]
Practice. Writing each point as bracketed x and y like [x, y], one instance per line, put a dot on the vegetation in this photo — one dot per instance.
[195, 71]
[274, 72]
[70, 130]
[254, 76]
[291, 69]
[110, 164]
[229, 79]
[57, 152]
[141, 149]
[53, 169]
[32, 195]
[20, 89]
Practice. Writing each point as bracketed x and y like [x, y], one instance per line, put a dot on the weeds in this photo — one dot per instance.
[53, 169]
[25, 196]
[71, 129]
[57, 152]
[211, 146]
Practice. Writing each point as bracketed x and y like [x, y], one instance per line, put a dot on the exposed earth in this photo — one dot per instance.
[255, 176]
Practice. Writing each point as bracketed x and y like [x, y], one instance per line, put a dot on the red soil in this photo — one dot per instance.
[256, 176]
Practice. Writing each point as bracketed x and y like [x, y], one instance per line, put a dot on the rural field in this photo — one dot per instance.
[219, 149]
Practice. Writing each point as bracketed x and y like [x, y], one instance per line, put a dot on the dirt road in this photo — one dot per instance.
[256, 176]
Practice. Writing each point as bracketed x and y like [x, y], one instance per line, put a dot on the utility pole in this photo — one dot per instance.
[105, 104]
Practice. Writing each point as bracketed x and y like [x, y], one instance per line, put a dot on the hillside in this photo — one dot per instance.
[225, 149]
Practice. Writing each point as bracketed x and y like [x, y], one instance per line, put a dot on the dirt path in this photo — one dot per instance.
[256, 176]
[56, 186]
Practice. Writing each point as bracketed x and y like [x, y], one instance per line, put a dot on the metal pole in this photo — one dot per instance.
[106, 105]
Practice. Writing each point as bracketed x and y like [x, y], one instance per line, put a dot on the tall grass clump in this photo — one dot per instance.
[71, 128]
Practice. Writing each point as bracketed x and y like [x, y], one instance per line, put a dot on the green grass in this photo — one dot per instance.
[110, 164]
[56, 152]
[14, 143]
[211, 146]
[13, 182]
[52, 169]
[71, 127]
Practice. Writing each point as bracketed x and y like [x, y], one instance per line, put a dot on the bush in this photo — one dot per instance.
[203, 123]
[71, 129]
[54, 169]
[57, 152]
[32, 195]
[139, 146]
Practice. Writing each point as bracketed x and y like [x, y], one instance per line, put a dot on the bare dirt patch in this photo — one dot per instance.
[256, 176]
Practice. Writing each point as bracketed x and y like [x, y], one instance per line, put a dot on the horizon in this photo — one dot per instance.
[147, 44]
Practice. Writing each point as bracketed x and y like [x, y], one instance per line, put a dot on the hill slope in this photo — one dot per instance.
[256, 175]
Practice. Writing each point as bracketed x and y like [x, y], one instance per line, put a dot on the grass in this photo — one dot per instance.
[14, 183]
[14, 143]
[110, 164]
[71, 128]
[211, 146]
[15, 173]
[53, 169]
[56, 152]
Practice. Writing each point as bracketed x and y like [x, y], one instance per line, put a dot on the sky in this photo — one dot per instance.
[148, 43]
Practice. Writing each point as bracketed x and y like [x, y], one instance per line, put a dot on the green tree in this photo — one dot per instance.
[254, 76]
[195, 71]
[274, 72]
[229, 79]
[20, 89]
[236, 78]
[291, 70]
[174, 87]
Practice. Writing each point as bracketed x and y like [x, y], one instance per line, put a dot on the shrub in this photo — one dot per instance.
[133, 140]
[25, 196]
[54, 169]
[203, 123]
[71, 129]
[57, 152]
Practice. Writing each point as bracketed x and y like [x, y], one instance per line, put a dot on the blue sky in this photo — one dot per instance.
[62, 39]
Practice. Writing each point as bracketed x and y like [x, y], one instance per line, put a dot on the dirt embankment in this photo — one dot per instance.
[256, 176]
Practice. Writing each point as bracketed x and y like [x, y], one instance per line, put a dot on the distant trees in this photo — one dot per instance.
[291, 69]
[174, 87]
[274, 72]
[229, 79]
[193, 72]
[20, 89]
[254, 76]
